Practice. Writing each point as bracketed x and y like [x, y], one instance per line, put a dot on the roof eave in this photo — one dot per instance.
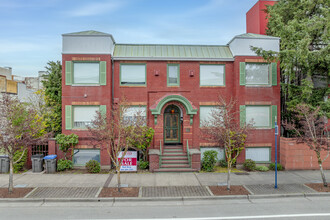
[173, 58]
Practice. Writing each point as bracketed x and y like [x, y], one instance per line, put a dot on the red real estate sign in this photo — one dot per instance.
[130, 161]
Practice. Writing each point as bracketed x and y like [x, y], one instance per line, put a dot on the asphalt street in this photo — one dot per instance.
[314, 207]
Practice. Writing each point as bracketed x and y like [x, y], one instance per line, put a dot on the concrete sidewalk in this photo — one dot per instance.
[163, 184]
[30, 179]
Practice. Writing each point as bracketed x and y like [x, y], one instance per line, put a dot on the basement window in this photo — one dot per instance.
[133, 74]
[82, 156]
[258, 154]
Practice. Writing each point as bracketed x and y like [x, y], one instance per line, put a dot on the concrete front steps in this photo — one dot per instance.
[174, 159]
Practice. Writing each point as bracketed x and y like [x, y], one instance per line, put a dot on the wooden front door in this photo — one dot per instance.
[172, 124]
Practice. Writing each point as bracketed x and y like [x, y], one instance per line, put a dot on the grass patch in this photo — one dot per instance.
[219, 169]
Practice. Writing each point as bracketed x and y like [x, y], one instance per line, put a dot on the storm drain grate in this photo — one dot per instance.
[64, 192]
[174, 191]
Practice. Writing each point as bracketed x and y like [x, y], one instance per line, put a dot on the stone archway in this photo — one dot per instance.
[190, 109]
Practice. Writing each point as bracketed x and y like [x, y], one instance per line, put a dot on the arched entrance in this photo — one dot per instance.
[172, 125]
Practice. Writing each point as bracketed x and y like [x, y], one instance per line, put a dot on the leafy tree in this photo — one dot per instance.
[20, 127]
[312, 130]
[141, 139]
[66, 142]
[53, 94]
[45, 112]
[303, 27]
[223, 129]
[112, 132]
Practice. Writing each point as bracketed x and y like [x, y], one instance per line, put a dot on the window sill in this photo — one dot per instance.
[138, 86]
[86, 85]
[211, 86]
[262, 128]
[80, 129]
[264, 86]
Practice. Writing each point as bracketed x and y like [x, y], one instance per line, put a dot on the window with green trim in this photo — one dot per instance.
[133, 74]
[84, 115]
[212, 75]
[260, 115]
[86, 73]
[257, 73]
[173, 74]
[258, 154]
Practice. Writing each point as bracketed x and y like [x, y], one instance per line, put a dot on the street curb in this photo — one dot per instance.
[164, 199]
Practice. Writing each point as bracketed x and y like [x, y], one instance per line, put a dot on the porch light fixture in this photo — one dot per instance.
[156, 72]
[191, 73]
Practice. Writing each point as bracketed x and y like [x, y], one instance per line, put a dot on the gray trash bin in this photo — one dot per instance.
[4, 164]
[37, 163]
[50, 161]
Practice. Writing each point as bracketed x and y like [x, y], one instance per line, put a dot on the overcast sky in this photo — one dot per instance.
[31, 29]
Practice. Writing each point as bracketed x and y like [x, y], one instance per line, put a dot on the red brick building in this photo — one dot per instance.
[175, 86]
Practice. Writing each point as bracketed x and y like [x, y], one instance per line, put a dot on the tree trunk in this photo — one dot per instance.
[118, 177]
[325, 184]
[11, 181]
[228, 176]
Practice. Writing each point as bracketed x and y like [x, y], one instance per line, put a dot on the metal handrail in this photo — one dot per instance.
[160, 153]
[188, 155]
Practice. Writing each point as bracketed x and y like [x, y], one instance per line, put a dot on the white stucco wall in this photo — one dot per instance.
[241, 46]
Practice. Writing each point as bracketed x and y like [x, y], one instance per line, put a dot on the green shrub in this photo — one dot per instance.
[209, 160]
[262, 168]
[64, 165]
[93, 166]
[223, 163]
[143, 164]
[272, 166]
[20, 164]
[249, 165]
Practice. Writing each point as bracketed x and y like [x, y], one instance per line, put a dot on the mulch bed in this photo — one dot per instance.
[17, 192]
[125, 192]
[234, 190]
[319, 187]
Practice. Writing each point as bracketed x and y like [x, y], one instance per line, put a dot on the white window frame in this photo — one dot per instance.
[130, 112]
[204, 119]
[214, 82]
[258, 148]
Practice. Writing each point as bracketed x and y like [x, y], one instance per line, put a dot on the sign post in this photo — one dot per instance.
[130, 161]
[276, 133]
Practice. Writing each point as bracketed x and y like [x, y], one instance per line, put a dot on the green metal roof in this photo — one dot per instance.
[171, 52]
